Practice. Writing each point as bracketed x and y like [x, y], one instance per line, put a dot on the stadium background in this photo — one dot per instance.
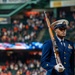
[23, 31]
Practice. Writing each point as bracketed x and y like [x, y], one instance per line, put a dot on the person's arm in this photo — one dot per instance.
[46, 54]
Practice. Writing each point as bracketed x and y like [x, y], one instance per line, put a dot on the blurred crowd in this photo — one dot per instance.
[21, 65]
[23, 32]
[31, 68]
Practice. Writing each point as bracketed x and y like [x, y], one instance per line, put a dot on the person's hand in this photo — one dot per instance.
[59, 67]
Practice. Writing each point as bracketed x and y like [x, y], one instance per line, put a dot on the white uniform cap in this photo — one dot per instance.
[60, 22]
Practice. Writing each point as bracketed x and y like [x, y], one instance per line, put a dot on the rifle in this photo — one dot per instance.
[55, 47]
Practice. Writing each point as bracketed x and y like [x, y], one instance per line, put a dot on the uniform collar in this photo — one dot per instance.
[59, 39]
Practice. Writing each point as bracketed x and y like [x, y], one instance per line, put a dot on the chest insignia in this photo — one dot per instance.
[70, 47]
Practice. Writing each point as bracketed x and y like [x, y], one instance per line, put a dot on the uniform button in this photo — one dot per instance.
[64, 52]
[46, 64]
[64, 62]
[64, 57]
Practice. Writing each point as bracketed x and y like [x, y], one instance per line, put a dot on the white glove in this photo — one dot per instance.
[59, 67]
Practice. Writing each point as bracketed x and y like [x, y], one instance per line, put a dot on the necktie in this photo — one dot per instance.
[62, 43]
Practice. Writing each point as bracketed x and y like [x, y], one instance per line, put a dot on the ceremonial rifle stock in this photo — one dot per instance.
[55, 47]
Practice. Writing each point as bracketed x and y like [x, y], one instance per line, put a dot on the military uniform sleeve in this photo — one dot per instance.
[46, 54]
